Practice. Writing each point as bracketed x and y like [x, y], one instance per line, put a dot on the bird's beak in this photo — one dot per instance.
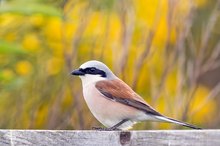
[77, 72]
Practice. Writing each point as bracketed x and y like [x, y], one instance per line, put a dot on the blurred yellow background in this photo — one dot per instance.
[168, 51]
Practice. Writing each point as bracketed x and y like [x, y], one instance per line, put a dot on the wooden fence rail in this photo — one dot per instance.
[110, 138]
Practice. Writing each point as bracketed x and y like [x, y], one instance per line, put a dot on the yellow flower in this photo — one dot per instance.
[53, 29]
[31, 42]
[69, 31]
[206, 112]
[11, 36]
[114, 28]
[146, 11]
[8, 19]
[161, 105]
[161, 33]
[37, 20]
[23, 68]
[171, 83]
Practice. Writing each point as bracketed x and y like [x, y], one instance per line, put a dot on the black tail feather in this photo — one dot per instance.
[170, 120]
[184, 124]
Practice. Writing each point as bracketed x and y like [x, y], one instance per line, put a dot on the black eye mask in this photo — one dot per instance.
[93, 71]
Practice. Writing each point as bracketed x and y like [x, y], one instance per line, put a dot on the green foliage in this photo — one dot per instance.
[10, 48]
[31, 7]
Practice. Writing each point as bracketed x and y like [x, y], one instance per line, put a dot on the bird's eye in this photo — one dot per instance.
[92, 70]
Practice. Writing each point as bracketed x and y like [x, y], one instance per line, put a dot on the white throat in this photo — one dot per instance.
[88, 79]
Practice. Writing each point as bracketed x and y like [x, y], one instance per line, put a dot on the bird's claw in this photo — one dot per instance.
[104, 129]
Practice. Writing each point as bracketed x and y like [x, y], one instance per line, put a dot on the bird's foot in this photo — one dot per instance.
[104, 129]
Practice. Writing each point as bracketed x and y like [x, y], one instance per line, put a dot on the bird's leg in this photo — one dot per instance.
[99, 128]
[115, 127]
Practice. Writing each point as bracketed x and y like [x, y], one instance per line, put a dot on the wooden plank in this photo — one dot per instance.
[110, 138]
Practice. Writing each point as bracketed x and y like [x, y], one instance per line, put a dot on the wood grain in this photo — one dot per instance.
[110, 138]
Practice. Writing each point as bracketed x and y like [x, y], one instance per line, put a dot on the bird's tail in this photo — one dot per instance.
[170, 120]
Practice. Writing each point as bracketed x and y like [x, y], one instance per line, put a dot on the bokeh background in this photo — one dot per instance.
[168, 51]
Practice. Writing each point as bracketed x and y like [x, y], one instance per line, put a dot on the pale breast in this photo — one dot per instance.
[106, 111]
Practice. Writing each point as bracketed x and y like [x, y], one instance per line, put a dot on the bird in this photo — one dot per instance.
[112, 102]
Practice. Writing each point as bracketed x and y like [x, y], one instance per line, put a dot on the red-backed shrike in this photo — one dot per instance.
[112, 101]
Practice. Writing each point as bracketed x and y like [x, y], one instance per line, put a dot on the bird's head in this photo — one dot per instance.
[93, 71]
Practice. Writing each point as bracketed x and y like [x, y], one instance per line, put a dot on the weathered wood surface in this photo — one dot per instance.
[110, 138]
